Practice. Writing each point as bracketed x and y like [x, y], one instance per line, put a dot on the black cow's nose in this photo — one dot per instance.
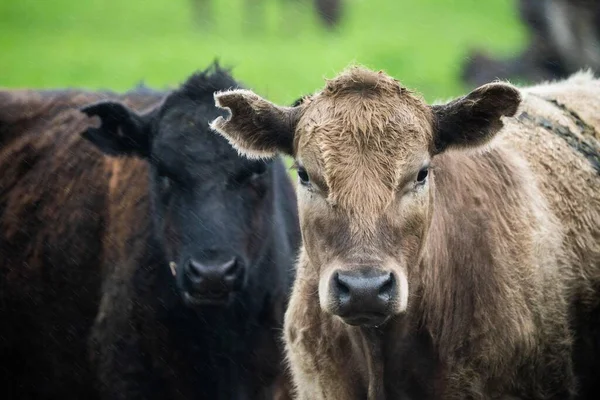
[363, 297]
[213, 279]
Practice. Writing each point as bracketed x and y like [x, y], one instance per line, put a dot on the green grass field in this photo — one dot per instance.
[113, 44]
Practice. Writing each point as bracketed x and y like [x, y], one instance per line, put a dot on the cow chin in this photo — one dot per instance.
[195, 301]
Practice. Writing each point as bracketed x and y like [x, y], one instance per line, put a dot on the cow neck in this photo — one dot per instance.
[457, 257]
[434, 285]
[372, 342]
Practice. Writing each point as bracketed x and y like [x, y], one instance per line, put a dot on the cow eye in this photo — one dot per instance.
[258, 171]
[303, 176]
[422, 175]
[165, 179]
[249, 174]
[164, 182]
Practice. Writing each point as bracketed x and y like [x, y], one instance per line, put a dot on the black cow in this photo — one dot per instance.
[196, 255]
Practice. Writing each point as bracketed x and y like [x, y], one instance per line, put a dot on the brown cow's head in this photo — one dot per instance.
[363, 148]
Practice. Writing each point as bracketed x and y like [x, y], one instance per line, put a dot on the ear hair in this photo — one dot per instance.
[256, 127]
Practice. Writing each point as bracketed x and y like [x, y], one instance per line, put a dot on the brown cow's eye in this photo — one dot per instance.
[422, 175]
[303, 176]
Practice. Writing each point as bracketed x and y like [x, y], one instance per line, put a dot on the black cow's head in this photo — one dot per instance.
[211, 207]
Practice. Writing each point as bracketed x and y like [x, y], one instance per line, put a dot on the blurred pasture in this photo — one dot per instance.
[282, 53]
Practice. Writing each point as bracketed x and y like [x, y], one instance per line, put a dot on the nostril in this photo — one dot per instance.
[342, 291]
[342, 288]
[230, 266]
[194, 269]
[387, 287]
[231, 269]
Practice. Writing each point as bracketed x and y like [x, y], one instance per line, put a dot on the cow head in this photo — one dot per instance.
[364, 147]
[211, 207]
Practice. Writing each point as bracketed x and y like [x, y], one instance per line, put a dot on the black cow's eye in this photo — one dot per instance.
[165, 182]
[258, 171]
[303, 176]
[422, 175]
[249, 174]
[164, 178]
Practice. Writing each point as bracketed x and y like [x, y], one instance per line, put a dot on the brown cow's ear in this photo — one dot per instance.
[256, 127]
[121, 131]
[474, 119]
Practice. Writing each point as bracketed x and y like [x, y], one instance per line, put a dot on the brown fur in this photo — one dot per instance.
[53, 213]
[500, 250]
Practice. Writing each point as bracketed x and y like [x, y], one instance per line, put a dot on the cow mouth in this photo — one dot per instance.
[206, 299]
[366, 320]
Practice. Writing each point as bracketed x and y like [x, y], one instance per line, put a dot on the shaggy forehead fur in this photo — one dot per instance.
[361, 135]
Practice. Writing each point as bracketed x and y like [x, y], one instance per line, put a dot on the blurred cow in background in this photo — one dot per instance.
[565, 37]
[329, 12]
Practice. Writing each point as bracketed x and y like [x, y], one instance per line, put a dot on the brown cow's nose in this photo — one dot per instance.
[212, 280]
[363, 297]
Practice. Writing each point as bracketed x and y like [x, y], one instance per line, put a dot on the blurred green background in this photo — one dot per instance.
[114, 44]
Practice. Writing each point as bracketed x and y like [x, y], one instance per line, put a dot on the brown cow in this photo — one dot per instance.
[53, 205]
[437, 263]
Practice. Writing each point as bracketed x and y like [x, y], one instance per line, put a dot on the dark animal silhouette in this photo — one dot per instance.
[329, 12]
[564, 38]
[179, 249]
[53, 213]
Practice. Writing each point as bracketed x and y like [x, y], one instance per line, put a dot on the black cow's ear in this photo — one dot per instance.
[474, 119]
[121, 132]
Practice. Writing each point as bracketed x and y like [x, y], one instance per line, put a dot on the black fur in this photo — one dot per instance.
[209, 204]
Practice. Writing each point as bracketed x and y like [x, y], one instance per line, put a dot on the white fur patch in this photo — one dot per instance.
[402, 291]
[324, 297]
[243, 92]
[583, 77]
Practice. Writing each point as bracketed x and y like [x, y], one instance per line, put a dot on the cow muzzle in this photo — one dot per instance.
[363, 297]
[211, 283]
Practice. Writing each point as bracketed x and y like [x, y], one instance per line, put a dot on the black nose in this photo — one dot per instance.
[210, 279]
[363, 297]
